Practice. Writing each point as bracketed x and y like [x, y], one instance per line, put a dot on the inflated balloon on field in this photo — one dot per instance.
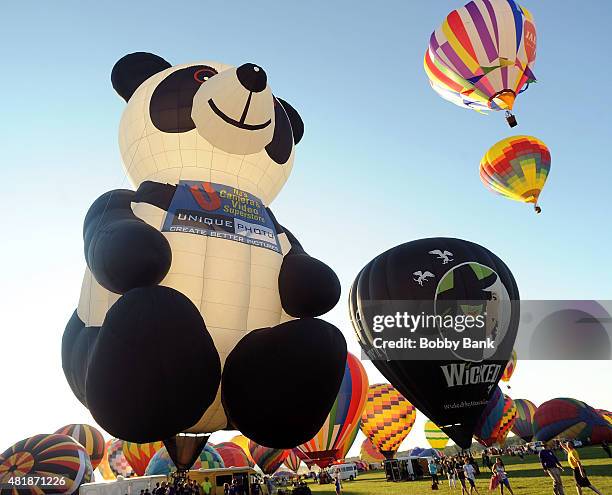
[509, 370]
[496, 420]
[232, 455]
[268, 459]
[370, 454]
[243, 443]
[435, 436]
[140, 454]
[210, 458]
[439, 277]
[517, 168]
[387, 418]
[482, 56]
[293, 460]
[607, 415]
[116, 459]
[344, 417]
[89, 437]
[59, 457]
[162, 464]
[523, 426]
[104, 467]
[571, 419]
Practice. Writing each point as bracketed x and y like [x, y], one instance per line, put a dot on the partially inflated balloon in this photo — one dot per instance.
[293, 460]
[523, 426]
[116, 460]
[139, 454]
[509, 370]
[343, 419]
[89, 437]
[572, 419]
[54, 457]
[451, 388]
[435, 436]
[387, 418]
[497, 419]
[243, 443]
[370, 454]
[104, 467]
[232, 455]
[517, 168]
[268, 460]
[210, 458]
[161, 464]
[482, 55]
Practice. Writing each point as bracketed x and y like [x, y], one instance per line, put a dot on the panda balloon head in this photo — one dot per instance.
[204, 121]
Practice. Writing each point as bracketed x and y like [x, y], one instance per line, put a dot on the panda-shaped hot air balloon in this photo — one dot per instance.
[195, 296]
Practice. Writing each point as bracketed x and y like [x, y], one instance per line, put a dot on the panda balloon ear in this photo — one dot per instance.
[297, 125]
[133, 69]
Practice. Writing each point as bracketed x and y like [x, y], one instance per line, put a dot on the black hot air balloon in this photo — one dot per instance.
[441, 278]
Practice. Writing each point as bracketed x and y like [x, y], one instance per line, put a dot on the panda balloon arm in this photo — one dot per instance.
[122, 251]
[307, 286]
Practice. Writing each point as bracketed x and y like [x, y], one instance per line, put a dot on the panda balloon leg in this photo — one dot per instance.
[174, 370]
[267, 385]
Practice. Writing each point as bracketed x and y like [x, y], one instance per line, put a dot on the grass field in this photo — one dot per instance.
[526, 477]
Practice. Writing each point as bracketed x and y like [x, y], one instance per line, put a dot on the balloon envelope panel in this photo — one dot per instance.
[268, 460]
[89, 437]
[140, 454]
[523, 426]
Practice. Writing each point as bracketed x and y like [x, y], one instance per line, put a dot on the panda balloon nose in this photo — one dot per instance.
[252, 77]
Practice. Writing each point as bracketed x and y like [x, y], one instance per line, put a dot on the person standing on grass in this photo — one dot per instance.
[338, 485]
[552, 467]
[450, 473]
[433, 470]
[470, 475]
[460, 476]
[580, 476]
[500, 471]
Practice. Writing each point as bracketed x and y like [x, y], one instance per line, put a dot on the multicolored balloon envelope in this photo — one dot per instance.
[509, 370]
[482, 55]
[607, 415]
[232, 455]
[343, 419]
[243, 443]
[119, 465]
[523, 426]
[570, 419]
[387, 418]
[293, 460]
[517, 168]
[89, 437]
[440, 279]
[268, 460]
[210, 458]
[435, 436]
[140, 454]
[161, 464]
[370, 454]
[59, 459]
[497, 420]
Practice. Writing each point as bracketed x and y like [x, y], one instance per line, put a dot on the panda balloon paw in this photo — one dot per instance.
[185, 317]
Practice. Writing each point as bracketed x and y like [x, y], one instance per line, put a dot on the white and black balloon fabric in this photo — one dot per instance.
[440, 276]
[191, 267]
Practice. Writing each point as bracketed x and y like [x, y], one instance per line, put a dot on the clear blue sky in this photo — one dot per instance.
[384, 160]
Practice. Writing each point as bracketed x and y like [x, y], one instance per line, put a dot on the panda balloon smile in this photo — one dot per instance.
[196, 300]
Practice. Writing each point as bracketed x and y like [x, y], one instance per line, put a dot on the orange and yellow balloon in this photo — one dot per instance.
[387, 418]
[517, 168]
[139, 454]
[510, 367]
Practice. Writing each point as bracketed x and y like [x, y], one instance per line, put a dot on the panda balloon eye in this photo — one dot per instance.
[204, 74]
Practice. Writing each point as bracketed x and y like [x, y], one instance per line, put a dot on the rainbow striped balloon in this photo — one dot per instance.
[482, 56]
[268, 460]
[516, 168]
[232, 455]
[54, 456]
[435, 436]
[387, 418]
[140, 454]
[343, 419]
[293, 460]
[523, 426]
[509, 369]
[89, 437]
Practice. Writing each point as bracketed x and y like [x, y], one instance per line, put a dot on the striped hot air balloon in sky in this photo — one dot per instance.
[268, 460]
[140, 454]
[523, 426]
[510, 367]
[343, 419]
[435, 436]
[53, 456]
[89, 437]
[482, 56]
[517, 168]
[387, 418]
[293, 460]
[572, 419]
